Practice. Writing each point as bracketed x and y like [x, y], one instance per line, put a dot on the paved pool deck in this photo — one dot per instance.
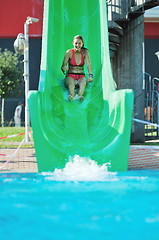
[24, 160]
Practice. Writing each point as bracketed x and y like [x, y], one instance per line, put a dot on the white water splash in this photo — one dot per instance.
[81, 169]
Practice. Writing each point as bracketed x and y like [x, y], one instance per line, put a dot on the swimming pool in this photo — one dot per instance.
[83, 201]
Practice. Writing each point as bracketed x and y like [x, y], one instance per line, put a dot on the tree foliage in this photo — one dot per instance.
[11, 74]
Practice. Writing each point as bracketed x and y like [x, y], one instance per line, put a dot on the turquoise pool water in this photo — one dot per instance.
[87, 203]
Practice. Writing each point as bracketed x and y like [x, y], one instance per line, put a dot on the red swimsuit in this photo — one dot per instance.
[72, 62]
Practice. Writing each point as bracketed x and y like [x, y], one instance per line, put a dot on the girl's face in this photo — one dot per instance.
[77, 43]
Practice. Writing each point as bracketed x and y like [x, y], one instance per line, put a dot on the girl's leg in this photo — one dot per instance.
[70, 84]
[82, 85]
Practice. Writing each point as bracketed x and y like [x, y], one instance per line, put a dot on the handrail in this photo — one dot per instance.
[151, 92]
[153, 81]
[144, 75]
[148, 93]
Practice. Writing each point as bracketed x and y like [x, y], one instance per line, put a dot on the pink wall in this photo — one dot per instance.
[151, 29]
[13, 14]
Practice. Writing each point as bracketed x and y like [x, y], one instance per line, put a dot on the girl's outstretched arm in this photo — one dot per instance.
[64, 66]
[88, 61]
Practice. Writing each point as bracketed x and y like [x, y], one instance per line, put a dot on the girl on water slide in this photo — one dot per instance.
[73, 68]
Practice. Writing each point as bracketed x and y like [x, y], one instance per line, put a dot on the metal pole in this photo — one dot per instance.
[158, 111]
[143, 47]
[26, 79]
[29, 20]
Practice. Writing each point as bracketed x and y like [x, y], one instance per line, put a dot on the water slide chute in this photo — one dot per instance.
[100, 126]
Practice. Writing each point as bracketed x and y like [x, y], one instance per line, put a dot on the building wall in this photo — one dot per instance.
[13, 15]
[151, 30]
[151, 60]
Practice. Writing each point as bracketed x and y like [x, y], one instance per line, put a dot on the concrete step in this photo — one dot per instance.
[115, 33]
[114, 38]
[113, 46]
[112, 53]
[115, 28]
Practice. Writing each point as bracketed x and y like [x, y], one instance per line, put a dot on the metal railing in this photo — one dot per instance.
[119, 10]
[151, 105]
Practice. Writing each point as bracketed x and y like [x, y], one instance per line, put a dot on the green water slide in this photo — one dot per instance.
[99, 127]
